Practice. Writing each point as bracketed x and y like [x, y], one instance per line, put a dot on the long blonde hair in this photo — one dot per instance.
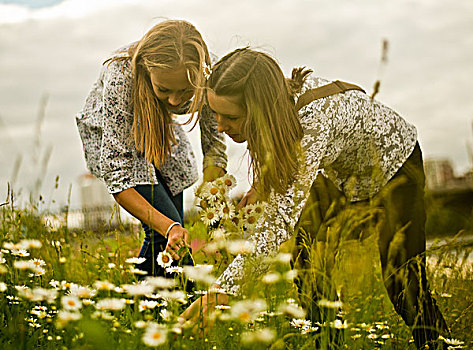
[168, 45]
[272, 127]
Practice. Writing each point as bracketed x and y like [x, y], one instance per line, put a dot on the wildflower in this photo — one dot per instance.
[71, 303]
[37, 262]
[372, 336]
[147, 305]
[82, 292]
[161, 282]
[338, 324]
[138, 271]
[166, 315]
[206, 70]
[247, 310]
[3, 287]
[228, 211]
[228, 180]
[283, 258]
[22, 265]
[200, 273]
[330, 304]
[154, 335]
[210, 216]
[54, 284]
[174, 269]
[30, 244]
[271, 278]
[110, 304]
[135, 260]
[176, 295]
[62, 260]
[210, 191]
[87, 302]
[265, 336]
[164, 259]
[140, 324]
[111, 266]
[223, 307]
[37, 271]
[142, 288]
[242, 246]
[454, 343]
[64, 317]
[300, 323]
[292, 310]
[103, 285]
[290, 275]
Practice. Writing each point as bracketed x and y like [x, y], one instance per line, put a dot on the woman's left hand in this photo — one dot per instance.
[199, 313]
[213, 172]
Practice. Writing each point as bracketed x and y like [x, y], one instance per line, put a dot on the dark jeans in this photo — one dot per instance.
[162, 200]
[397, 215]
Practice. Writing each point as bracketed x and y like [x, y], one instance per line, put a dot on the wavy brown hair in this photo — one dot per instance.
[272, 127]
[168, 45]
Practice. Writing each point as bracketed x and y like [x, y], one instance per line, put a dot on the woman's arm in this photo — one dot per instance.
[136, 205]
[213, 145]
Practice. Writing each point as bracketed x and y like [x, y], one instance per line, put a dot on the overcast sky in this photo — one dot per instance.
[52, 50]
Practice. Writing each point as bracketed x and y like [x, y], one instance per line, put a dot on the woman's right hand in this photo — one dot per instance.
[178, 238]
[250, 197]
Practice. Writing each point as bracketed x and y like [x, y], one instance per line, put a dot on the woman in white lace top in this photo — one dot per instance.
[345, 152]
[131, 139]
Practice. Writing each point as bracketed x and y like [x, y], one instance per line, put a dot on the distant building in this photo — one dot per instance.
[97, 203]
[439, 176]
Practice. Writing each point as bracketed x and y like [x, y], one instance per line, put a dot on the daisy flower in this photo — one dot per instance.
[103, 285]
[64, 317]
[264, 336]
[210, 216]
[246, 311]
[147, 305]
[138, 289]
[154, 335]
[20, 252]
[164, 259]
[135, 260]
[161, 282]
[228, 180]
[71, 303]
[110, 304]
[174, 269]
[271, 278]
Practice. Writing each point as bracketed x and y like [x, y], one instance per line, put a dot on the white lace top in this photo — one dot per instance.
[356, 142]
[105, 125]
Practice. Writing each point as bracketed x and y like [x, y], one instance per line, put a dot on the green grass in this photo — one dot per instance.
[84, 258]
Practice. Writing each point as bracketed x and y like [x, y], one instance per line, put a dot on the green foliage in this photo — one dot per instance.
[269, 316]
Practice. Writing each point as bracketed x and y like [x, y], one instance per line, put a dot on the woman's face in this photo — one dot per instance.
[230, 115]
[171, 86]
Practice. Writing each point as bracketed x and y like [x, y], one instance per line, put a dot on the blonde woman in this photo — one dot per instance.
[132, 141]
[320, 165]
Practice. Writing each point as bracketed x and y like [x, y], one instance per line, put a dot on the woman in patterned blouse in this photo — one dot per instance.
[345, 161]
[132, 142]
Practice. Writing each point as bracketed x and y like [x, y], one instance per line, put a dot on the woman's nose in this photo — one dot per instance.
[175, 99]
[220, 125]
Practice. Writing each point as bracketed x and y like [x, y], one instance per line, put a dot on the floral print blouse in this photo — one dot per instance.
[105, 125]
[355, 141]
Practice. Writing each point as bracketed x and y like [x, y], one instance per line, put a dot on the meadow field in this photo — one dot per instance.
[64, 289]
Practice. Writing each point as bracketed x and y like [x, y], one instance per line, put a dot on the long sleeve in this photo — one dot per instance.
[117, 154]
[283, 210]
[213, 144]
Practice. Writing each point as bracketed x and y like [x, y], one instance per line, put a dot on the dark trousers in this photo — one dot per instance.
[162, 200]
[397, 215]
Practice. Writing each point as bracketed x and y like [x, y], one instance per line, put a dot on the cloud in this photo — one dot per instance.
[58, 51]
